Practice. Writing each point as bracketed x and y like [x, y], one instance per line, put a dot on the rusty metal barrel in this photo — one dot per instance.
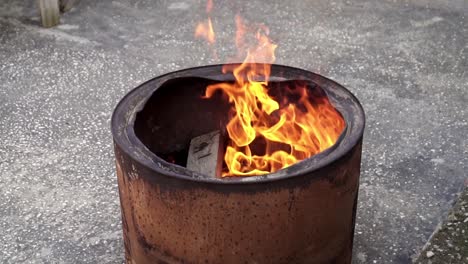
[302, 214]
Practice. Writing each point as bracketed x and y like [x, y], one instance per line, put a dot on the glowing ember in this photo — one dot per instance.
[288, 129]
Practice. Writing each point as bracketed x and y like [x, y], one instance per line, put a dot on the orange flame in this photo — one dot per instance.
[209, 6]
[205, 30]
[267, 134]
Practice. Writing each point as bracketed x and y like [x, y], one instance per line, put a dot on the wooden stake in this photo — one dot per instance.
[50, 13]
[206, 154]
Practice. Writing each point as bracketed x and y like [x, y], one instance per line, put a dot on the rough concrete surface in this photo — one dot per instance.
[405, 60]
[449, 243]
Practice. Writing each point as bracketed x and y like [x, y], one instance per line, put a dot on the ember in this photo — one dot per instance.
[306, 126]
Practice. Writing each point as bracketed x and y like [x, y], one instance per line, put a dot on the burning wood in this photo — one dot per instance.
[206, 154]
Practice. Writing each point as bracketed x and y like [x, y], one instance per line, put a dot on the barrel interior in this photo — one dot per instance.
[178, 111]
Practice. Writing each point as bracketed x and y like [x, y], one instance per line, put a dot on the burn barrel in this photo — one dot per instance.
[302, 214]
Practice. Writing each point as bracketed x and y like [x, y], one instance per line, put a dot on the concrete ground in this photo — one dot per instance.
[405, 60]
[449, 243]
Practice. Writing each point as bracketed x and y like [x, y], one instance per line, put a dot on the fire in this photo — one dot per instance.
[267, 133]
[205, 30]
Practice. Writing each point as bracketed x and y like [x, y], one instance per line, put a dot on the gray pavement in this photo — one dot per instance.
[449, 243]
[405, 60]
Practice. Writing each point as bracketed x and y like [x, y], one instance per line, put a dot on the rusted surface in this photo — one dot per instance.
[302, 214]
[297, 220]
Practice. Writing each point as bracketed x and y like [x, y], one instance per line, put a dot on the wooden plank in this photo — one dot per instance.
[206, 154]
